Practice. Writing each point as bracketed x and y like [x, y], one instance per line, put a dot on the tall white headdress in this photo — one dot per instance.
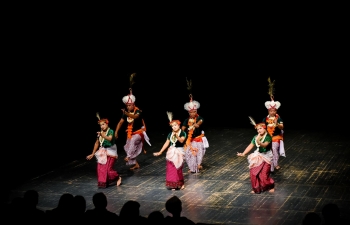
[192, 104]
[130, 98]
[272, 103]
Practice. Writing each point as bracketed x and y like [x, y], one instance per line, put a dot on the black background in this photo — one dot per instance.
[59, 72]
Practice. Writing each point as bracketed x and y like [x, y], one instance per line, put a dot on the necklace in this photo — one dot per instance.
[262, 140]
[173, 138]
[101, 139]
[129, 119]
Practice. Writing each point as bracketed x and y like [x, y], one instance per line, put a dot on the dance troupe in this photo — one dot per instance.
[187, 143]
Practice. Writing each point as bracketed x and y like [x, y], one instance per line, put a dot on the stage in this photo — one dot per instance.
[315, 171]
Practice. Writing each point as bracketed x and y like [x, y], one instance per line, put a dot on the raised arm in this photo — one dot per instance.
[196, 125]
[119, 125]
[108, 138]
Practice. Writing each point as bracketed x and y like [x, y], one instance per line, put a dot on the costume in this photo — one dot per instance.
[260, 165]
[174, 178]
[196, 142]
[136, 131]
[106, 157]
[273, 130]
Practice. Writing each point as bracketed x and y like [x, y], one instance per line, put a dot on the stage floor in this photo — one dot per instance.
[315, 171]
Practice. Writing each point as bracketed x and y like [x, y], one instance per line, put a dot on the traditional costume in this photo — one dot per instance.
[106, 157]
[136, 131]
[174, 158]
[196, 142]
[260, 163]
[273, 130]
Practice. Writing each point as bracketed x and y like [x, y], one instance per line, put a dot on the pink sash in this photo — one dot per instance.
[175, 155]
[101, 155]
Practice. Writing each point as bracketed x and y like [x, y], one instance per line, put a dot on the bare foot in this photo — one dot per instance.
[252, 192]
[173, 189]
[277, 167]
[183, 187]
[144, 151]
[200, 167]
[126, 159]
[272, 190]
[119, 181]
[189, 171]
[135, 167]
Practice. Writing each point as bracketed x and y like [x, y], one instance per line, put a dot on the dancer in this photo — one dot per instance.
[196, 142]
[260, 160]
[106, 155]
[174, 156]
[136, 129]
[275, 127]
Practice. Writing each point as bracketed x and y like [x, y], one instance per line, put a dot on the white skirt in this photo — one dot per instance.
[102, 153]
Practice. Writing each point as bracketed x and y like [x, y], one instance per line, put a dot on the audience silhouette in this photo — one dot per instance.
[156, 218]
[174, 206]
[312, 218]
[64, 210]
[72, 209]
[331, 214]
[79, 208]
[30, 211]
[130, 213]
[100, 214]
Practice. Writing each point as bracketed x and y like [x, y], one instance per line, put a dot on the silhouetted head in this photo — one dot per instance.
[312, 218]
[31, 198]
[155, 217]
[79, 204]
[99, 200]
[330, 212]
[66, 201]
[174, 205]
[130, 209]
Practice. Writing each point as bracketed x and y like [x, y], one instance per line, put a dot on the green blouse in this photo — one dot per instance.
[107, 143]
[268, 138]
[177, 143]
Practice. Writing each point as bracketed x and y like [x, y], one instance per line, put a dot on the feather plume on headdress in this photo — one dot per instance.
[132, 81]
[252, 121]
[271, 88]
[189, 84]
[98, 116]
[170, 116]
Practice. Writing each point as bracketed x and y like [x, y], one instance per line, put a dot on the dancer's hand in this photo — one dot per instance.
[240, 154]
[89, 156]
[116, 136]
[157, 153]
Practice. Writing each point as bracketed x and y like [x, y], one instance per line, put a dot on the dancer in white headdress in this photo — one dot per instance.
[274, 124]
[196, 142]
[136, 128]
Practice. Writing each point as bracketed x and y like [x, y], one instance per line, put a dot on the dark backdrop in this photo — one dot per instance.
[59, 75]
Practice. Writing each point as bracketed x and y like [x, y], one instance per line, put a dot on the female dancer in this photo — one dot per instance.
[106, 155]
[260, 160]
[174, 156]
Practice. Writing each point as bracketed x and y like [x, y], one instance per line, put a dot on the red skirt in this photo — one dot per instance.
[174, 177]
[105, 173]
[260, 178]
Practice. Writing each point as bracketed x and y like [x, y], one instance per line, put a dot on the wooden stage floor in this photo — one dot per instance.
[315, 171]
